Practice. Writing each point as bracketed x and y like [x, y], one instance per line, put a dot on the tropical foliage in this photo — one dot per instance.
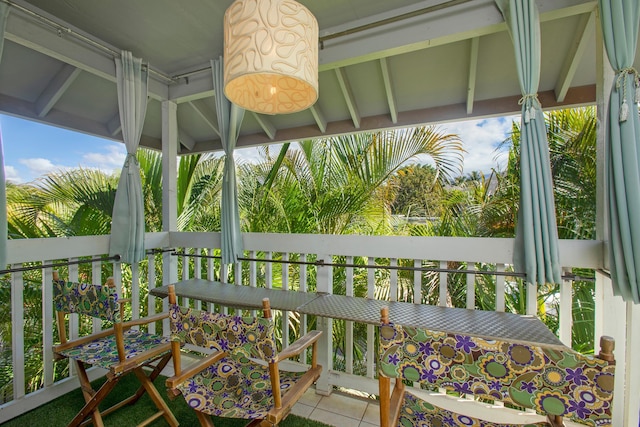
[354, 184]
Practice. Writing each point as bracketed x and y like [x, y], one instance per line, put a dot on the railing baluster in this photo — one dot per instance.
[500, 288]
[302, 273]
[371, 342]
[566, 310]
[96, 279]
[197, 273]
[285, 287]
[349, 324]
[17, 333]
[393, 280]
[417, 282]
[268, 270]
[135, 292]
[47, 325]
[151, 283]
[443, 294]
[185, 272]
[471, 286]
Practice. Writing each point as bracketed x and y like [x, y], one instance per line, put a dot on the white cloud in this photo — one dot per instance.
[111, 160]
[481, 139]
[40, 166]
[11, 174]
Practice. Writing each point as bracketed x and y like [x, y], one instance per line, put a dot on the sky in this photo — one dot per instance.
[32, 150]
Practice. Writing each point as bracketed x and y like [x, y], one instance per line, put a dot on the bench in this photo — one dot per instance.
[552, 380]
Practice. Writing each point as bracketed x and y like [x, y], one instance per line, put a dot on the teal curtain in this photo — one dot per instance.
[4, 12]
[127, 224]
[536, 244]
[229, 120]
[620, 20]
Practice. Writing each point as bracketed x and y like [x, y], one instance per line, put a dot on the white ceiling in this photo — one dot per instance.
[445, 63]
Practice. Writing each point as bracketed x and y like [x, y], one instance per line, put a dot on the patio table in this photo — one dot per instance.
[490, 325]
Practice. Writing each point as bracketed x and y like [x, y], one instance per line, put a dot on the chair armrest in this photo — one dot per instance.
[194, 368]
[144, 320]
[104, 333]
[296, 348]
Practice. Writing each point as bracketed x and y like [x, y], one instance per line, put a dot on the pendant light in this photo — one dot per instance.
[270, 56]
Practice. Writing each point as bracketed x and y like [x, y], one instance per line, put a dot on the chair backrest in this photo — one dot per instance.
[553, 381]
[83, 298]
[252, 337]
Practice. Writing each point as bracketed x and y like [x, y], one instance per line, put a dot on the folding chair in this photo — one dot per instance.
[554, 381]
[242, 378]
[120, 350]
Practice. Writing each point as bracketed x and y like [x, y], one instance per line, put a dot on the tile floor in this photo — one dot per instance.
[339, 409]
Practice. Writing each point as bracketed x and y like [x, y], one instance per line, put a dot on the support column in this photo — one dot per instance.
[169, 190]
[324, 277]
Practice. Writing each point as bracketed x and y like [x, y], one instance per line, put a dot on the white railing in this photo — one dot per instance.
[390, 268]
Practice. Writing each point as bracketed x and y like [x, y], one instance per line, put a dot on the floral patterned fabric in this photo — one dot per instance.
[234, 387]
[83, 298]
[552, 381]
[104, 353]
[416, 412]
[101, 302]
[240, 336]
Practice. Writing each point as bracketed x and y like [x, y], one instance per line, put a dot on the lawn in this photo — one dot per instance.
[61, 411]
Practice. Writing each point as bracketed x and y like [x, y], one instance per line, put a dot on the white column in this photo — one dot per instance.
[169, 190]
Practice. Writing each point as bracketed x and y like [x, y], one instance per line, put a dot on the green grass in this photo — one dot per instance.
[61, 411]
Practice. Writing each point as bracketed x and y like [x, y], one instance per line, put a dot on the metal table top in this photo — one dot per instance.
[489, 325]
[235, 295]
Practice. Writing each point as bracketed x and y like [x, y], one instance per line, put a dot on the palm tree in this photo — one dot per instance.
[338, 185]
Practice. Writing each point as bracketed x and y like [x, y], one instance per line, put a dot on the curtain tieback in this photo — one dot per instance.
[531, 102]
[621, 81]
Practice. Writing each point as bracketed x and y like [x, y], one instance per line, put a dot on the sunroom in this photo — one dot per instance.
[381, 65]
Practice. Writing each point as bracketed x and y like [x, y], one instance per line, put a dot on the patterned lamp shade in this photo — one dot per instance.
[270, 56]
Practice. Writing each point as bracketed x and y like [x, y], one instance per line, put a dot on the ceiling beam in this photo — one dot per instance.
[27, 110]
[583, 35]
[581, 96]
[388, 89]
[56, 88]
[29, 33]
[267, 126]
[206, 114]
[473, 71]
[319, 117]
[192, 88]
[347, 93]
[114, 126]
[185, 139]
[434, 29]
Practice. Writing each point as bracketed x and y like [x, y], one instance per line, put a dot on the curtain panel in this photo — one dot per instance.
[536, 244]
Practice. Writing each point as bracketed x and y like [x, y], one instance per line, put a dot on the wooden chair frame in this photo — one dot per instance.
[281, 404]
[391, 400]
[155, 359]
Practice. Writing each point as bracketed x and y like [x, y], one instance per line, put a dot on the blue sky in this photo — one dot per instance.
[32, 150]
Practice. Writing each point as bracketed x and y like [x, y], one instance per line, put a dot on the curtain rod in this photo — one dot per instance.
[59, 264]
[62, 30]
[321, 263]
[369, 26]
